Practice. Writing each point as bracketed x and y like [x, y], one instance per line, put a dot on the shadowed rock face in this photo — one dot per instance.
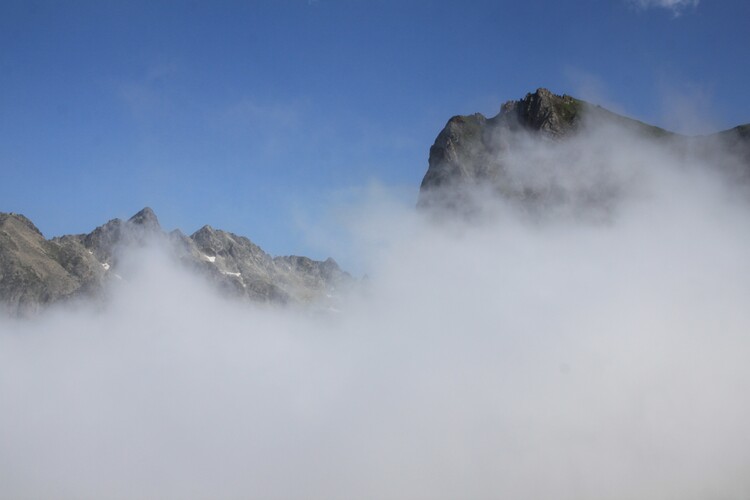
[35, 272]
[471, 151]
[466, 150]
[736, 142]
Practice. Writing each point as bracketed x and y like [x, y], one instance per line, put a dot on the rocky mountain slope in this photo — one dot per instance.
[35, 271]
[474, 151]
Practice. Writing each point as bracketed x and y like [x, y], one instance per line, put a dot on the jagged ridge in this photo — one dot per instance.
[35, 272]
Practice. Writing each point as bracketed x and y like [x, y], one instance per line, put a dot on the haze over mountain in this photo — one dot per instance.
[498, 155]
[35, 272]
[474, 152]
[564, 315]
[552, 303]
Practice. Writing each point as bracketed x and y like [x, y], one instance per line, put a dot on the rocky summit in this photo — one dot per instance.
[473, 151]
[36, 272]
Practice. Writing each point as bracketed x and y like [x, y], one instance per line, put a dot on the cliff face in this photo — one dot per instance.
[36, 272]
[472, 151]
[466, 151]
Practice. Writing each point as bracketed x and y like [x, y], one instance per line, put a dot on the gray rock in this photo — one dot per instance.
[471, 151]
[243, 268]
[36, 272]
[146, 219]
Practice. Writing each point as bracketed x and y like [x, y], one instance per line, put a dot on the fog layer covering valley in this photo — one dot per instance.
[588, 343]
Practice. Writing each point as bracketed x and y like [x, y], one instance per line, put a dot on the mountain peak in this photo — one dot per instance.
[35, 271]
[470, 150]
[146, 218]
[544, 111]
[12, 218]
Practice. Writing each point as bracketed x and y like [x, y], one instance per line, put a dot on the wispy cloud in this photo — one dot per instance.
[149, 92]
[592, 88]
[676, 6]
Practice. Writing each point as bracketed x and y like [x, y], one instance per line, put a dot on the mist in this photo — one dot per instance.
[589, 342]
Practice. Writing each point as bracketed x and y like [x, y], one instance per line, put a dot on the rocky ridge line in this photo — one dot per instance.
[36, 272]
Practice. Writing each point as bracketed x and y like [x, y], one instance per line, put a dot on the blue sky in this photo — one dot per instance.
[257, 116]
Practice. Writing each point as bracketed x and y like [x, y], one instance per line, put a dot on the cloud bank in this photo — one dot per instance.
[528, 354]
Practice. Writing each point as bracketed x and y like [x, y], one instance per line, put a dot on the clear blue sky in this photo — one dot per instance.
[246, 115]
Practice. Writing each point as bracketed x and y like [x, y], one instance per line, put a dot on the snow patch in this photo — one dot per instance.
[231, 274]
[210, 258]
[105, 266]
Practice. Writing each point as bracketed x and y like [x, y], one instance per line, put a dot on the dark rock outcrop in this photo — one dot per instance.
[471, 151]
[466, 151]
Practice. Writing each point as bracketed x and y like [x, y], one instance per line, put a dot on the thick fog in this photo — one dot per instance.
[589, 343]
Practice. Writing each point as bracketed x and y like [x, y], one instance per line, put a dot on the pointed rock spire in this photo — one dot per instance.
[146, 218]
